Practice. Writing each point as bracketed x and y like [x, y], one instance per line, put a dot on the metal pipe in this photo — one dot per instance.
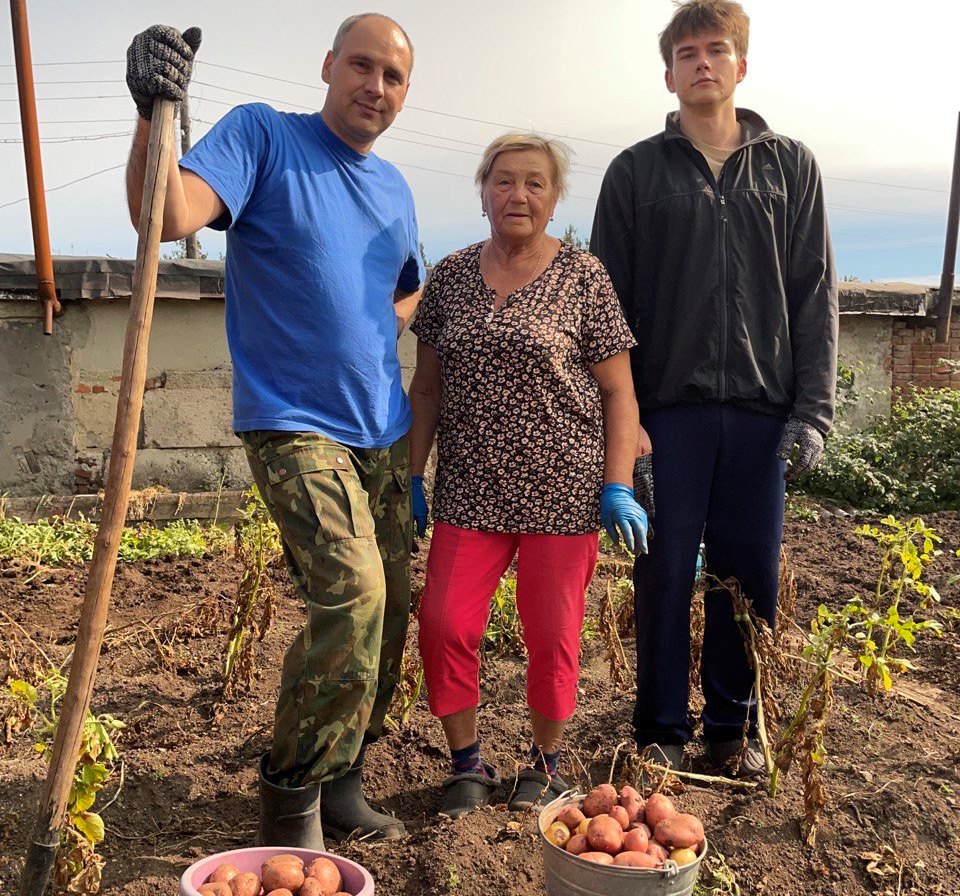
[950, 249]
[31, 150]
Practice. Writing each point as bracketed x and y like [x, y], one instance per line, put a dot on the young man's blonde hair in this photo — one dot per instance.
[556, 151]
[696, 17]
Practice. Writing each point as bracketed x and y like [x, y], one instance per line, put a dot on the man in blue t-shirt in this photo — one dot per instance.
[322, 273]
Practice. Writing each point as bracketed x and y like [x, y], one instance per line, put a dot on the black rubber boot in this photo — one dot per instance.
[289, 816]
[346, 813]
[464, 792]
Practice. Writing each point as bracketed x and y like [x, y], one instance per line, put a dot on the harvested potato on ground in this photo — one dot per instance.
[631, 800]
[683, 856]
[635, 840]
[681, 831]
[657, 851]
[283, 872]
[620, 815]
[604, 834]
[558, 834]
[245, 884]
[215, 888]
[635, 859]
[658, 808]
[223, 873]
[571, 816]
[601, 858]
[600, 801]
[577, 844]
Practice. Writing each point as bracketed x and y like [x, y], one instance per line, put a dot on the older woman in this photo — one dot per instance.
[523, 374]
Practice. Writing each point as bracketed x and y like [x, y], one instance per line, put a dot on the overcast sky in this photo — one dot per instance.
[872, 88]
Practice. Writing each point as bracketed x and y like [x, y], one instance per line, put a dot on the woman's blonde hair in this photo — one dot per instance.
[556, 151]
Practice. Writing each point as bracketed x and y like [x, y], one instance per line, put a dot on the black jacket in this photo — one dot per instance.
[728, 285]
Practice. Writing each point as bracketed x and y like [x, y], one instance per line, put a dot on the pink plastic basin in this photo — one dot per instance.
[356, 879]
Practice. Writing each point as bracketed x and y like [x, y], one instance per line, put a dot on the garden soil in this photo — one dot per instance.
[891, 824]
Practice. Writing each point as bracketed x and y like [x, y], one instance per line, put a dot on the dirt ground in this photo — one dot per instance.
[189, 786]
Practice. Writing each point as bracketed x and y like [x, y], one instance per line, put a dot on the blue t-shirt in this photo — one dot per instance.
[318, 238]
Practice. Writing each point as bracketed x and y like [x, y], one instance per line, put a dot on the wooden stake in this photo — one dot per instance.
[42, 850]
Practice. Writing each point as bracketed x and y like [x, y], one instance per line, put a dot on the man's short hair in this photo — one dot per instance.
[697, 17]
[348, 23]
[556, 151]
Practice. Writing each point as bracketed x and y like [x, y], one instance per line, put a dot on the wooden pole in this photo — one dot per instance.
[31, 151]
[42, 849]
[945, 304]
[191, 246]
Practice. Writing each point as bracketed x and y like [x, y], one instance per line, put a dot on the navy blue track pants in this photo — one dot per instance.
[716, 474]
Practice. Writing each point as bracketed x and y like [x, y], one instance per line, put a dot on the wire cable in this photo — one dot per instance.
[69, 183]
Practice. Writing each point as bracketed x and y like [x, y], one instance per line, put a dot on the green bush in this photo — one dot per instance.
[908, 462]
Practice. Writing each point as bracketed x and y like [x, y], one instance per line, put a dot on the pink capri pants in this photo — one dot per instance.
[463, 571]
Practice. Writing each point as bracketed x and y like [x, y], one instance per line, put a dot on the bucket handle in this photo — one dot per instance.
[670, 869]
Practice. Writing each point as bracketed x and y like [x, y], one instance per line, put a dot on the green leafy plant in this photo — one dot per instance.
[78, 866]
[504, 632]
[907, 462]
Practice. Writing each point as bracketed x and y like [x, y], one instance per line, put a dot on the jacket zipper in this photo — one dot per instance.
[722, 373]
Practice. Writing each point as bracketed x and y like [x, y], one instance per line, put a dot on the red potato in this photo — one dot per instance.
[620, 815]
[558, 834]
[657, 851]
[571, 816]
[327, 875]
[631, 800]
[601, 858]
[635, 860]
[280, 891]
[600, 801]
[215, 888]
[223, 873]
[682, 831]
[582, 827]
[604, 834]
[245, 884]
[635, 840]
[657, 809]
[283, 872]
[577, 844]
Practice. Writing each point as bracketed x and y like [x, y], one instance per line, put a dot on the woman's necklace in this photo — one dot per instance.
[533, 271]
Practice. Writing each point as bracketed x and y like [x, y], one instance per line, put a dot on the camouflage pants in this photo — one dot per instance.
[345, 520]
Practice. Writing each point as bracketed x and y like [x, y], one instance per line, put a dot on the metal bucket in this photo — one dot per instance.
[567, 875]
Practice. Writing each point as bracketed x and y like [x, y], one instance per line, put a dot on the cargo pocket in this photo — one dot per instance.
[400, 528]
[318, 497]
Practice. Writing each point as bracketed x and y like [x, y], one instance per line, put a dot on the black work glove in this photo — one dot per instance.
[159, 62]
[809, 444]
[643, 485]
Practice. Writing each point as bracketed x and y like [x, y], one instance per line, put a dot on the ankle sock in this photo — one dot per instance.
[544, 762]
[466, 760]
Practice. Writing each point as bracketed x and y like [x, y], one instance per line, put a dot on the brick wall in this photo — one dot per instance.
[916, 354]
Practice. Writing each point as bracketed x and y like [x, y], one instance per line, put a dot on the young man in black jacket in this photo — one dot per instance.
[715, 235]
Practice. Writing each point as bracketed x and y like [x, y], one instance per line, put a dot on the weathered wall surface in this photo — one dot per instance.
[59, 399]
[865, 350]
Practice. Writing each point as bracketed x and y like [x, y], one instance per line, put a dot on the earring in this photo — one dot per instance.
[483, 214]
[551, 217]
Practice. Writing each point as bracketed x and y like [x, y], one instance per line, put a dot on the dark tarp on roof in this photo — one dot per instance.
[111, 278]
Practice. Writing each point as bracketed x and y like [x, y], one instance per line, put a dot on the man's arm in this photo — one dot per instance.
[404, 306]
[812, 297]
[191, 202]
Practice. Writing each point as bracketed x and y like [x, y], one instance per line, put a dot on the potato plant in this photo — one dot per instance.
[78, 866]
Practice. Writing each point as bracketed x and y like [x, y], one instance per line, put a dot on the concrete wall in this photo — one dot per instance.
[59, 401]
[865, 350]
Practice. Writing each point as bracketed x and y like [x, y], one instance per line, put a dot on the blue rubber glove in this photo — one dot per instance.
[420, 511]
[619, 510]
